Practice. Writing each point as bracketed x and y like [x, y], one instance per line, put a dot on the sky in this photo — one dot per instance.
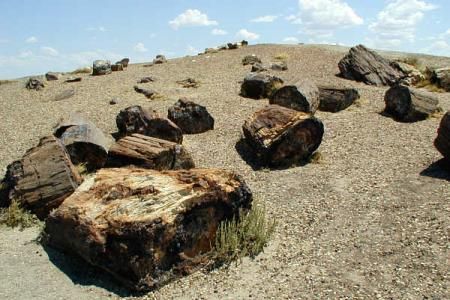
[37, 36]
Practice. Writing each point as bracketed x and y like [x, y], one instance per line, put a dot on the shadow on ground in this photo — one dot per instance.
[81, 273]
[437, 170]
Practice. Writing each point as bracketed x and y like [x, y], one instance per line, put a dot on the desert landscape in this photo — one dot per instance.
[366, 218]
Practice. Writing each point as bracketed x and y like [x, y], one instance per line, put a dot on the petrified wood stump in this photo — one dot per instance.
[148, 152]
[84, 141]
[190, 117]
[442, 141]
[257, 85]
[42, 179]
[408, 104]
[145, 226]
[281, 136]
[334, 99]
[302, 96]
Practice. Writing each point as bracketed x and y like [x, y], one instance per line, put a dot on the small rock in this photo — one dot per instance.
[117, 67]
[147, 79]
[124, 62]
[101, 67]
[34, 84]
[73, 79]
[189, 83]
[160, 59]
[279, 66]
[232, 46]
[64, 95]
[52, 76]
[146, 92]
[257, 67]
[191, 117]
[251, 60]
[442, 78]
[114, 101]
[244, 43]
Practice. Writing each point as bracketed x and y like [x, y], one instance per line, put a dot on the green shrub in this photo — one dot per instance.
[16, 216]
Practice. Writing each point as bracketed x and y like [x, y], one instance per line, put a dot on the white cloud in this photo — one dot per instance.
[397, 22]
[264, 19]
[99, 28]
[49, 51]
[140, 47]
[290, 18]
[217, 31]
[247, 35]
[323, 17]
[191, 17]
[290, 40]
[31, 40]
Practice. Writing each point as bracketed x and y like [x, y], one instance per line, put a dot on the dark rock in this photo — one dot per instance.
[34, 84]
[114, 101]
[160, 59]
[259, 86]
[279, 66]
[250, 60]
[146, 92]
[244, 43]
[147, 79]
[302, 96]
[73, 79]
[232, 46]
[258, 68]
[442, 141]
[190, 117]
[334, 99]
[101, 67]
[116, 67]
[442, 78]
[189, 83]
[124, 62]
[52, 76]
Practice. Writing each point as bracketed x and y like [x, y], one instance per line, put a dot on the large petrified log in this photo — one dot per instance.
[257, 86]
[190, 117]
[145, 226]
[442, 141]
[334, 99]
[410, 105]
[149, 152]
[281, 136]
[84, 141]
[135, 119]
[442, 78]
[302, 96]
[42, 179]
[362, 64]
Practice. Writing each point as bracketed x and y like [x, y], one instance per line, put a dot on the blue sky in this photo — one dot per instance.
[61, 35]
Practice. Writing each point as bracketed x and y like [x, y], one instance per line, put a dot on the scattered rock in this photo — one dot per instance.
[211, 50]
[85, 142]
[362, 64]
[334, 99]
[147, 79]
[408, 104]
[73, 79]
[34, 84]
[279, 66]
[160, 59]
[124, 62]
[149, 152]
[114, 101]
[52, 76]
[116, 67]
[413, 76]
[146, 92]
[302, 96]
[146, 227]
[251, 60]
[135, 119]
[442, 78]
[189, 83]
[281, 137]
[257, 67]
[259, 86]
[101, 67]
[66, 94]
[442, 141]
[222, 47]
[43, 178]
[232, 46]
[191, 117]
[244, 43]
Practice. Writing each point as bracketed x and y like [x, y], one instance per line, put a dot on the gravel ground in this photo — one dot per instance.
[371, 220]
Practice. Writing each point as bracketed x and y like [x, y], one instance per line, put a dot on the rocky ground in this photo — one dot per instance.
[370, 220]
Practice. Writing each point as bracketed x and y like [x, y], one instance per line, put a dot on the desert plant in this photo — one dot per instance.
[410, 60]
[281, 56]
[316, 158]
[243, 236]
[85, 70]
[16, 216]
[430, 86]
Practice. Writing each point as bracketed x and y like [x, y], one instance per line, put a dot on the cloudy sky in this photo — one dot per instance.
[60, 35]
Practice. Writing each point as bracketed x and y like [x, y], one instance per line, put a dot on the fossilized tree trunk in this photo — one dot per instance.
[442, 141]
[302, 96]
[334, 99]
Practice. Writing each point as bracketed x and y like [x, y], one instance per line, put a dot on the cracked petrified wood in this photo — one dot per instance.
[149, 152]
[257, 85]
[281, 136]
[442, 141]
[410, 105]
[334, 99]
[42, 179]
[190, 117]
[302, 96]
[84, 141]
[145, 226]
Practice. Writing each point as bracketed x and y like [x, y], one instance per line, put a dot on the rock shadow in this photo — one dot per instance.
[439, 170]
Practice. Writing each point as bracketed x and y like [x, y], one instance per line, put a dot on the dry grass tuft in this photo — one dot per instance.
[245, 236]
[432, 87]
[2, 82]
[15, 216]
[281, 56]
[412, 61]
[84, 70]
[316, 158]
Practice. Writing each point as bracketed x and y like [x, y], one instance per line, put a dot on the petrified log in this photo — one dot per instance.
[146, 92]
[190, 117]
[362, 64]
[281, 136]
[442, 78]
[117, 67]
[334, 99]
[258, 67]
[442, 141]
[279, 66]
[302, 96]
[101, 67]
[124, 62]
[410, 105]
[85, 143]
[145, 226]
[52, 76]
[42, 179]
[251, 60]
[135, 119]
[257, 86]
[149, 152]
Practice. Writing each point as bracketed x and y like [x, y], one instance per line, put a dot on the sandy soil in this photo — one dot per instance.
[370, 221]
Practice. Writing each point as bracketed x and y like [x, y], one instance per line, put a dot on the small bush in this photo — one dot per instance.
[85, 70]
[316, 158]
[432, 87]
[281, 56]
[244, 236]
[16, 216]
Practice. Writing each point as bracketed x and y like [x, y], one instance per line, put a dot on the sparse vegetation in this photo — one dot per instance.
[281, 56]
[244, 236]
[2, 82]
[85, 70]
[412, 61]
[316, 158]
[15, 216]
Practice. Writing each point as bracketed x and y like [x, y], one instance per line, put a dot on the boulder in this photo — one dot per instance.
[160, 59]
[281, 137]
[42, 178]
[52, 76]
[279, 66]
[257, 86]
[334, 99]
[135, 119]
[362, 64]
[149, 152]
[34, 84]
[190, 117]
[413, 75]
[146, 227]
[85, 142]
[258, 68]
[442, 141]
[302, 96]
[251, 60]
[101, 67]
[116, 67]
[146, 92]
[124, 62]
[409, 104]
[442, 78]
